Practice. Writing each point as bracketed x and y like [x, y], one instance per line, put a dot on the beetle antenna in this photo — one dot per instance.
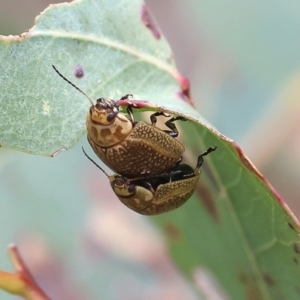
[94, 162]
[200, 157]
[77, 88]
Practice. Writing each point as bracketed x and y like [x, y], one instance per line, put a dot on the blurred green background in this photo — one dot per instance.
[242, 59]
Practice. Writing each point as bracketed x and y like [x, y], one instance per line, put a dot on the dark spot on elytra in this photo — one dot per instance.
[268, 279]
[207, 200]
[295, 260]
[297, 248]
[172, 231]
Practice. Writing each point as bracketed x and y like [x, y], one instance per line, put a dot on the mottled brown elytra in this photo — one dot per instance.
[153, 195]
[127, 147]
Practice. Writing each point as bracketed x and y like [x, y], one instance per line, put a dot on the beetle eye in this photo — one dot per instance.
[131, 188]
[111, 116]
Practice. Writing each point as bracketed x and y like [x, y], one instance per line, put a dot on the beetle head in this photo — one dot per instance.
[134, 196]
[104, 112]
[106, 126]
[121, 186]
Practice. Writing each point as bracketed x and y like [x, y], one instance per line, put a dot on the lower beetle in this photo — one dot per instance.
[156, 194]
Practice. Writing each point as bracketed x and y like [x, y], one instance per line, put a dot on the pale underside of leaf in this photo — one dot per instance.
[245, 234]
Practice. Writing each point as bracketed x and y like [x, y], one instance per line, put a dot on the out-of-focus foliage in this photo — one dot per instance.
[237, 77]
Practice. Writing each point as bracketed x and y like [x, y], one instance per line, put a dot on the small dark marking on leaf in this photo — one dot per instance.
[78, 71]
[208, 173]
[297, 248]
[291, 226]
[295, 260]
[242, 277]
[268, 279]
[17, 38]
[185, 89]
[252, 291]
[58, 151]
[207, 200]
[149, 22]
[172, 231]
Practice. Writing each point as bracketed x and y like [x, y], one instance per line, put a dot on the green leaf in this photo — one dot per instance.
[41, 113]
[236, 229]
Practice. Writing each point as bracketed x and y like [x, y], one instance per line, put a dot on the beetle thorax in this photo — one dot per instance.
[104, 131]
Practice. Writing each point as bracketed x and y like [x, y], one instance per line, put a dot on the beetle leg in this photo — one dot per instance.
[159, 113]
[129, 107]
[148, 184]
[130, 113]
[172, 126]
[170, 123]
[200, 157]
[125, 97]
[115, 104]
[178, 161]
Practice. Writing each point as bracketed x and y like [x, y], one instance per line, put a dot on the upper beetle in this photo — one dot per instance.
[131, 148]
[153, 195]
[127, 147]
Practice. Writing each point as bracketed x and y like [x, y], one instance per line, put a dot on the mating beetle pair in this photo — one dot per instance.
[150, 179]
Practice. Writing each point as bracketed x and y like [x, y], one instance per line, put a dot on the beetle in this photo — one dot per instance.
[127, 147]
[156, 194]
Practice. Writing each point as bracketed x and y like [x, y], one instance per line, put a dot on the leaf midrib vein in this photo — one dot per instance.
[109, 43]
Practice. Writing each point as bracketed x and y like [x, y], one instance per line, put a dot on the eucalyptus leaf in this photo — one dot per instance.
[236, 229]
[41, 113]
